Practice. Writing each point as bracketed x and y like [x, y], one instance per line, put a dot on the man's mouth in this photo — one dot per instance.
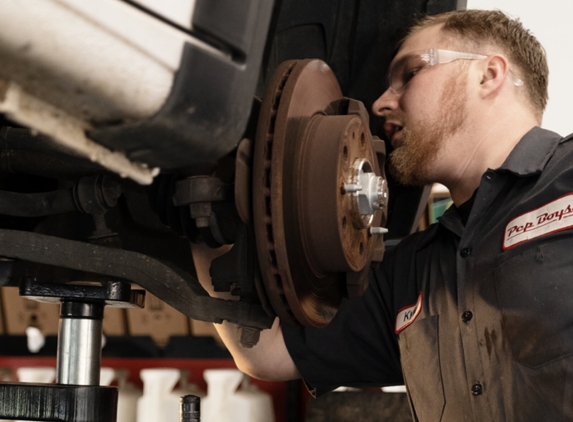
[393, 132]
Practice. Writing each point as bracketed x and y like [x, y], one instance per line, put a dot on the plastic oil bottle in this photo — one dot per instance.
[225, 403]
[158, 404]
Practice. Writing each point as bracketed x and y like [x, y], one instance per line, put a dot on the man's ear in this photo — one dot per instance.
[494, 71]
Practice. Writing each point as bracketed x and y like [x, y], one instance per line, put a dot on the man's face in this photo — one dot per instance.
[426, 115]
[423, 139]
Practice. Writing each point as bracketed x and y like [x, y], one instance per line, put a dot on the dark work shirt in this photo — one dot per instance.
[476, 318]
[465, 209]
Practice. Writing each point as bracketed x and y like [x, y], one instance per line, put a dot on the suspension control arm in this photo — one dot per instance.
[172, 285]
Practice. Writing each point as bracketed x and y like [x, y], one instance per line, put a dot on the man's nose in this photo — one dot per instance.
[388, 101]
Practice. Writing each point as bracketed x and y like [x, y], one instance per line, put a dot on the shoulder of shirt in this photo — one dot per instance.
[566, 139]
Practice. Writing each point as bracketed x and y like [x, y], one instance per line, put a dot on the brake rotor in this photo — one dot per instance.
[319, 196]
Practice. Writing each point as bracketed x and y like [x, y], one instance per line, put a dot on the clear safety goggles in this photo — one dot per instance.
[402, 72]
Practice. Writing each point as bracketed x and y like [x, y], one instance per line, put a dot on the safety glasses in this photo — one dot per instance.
[402, 72]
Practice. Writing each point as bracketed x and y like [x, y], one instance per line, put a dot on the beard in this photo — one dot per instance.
[411, 163]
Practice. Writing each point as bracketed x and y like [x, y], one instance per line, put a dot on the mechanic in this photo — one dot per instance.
[474, 314]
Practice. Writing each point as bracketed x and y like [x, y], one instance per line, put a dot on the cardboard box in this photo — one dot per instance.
[114, 321]
[21, 313]
[204, 329]
[157, 320]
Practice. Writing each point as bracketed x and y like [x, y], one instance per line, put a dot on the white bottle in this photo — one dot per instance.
[35, 339]
[185, 387]
[253, 404]
[128, 396]
[127, 393]
[38, 374]
[225, 404]
[157, 404]
[106, 376]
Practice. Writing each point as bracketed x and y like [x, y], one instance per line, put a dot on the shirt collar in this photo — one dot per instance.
[528, 157]
[452, 220]
[532, 152]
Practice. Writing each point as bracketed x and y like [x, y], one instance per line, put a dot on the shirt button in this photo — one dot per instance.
[476, 389]
[465, 252]
[467, 316]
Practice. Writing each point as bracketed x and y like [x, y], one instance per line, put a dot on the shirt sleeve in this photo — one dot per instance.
[357, 349]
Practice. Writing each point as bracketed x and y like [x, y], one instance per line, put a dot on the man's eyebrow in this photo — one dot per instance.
[394, 61]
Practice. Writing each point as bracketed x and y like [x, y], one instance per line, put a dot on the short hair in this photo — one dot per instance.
[493, 27]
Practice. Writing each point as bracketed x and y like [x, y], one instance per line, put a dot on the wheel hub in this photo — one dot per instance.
[319, 194]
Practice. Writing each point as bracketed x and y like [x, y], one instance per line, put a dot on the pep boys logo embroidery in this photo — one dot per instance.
[550, 218]
[408, 314]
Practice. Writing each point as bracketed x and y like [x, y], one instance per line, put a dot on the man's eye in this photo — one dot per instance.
[409, 74]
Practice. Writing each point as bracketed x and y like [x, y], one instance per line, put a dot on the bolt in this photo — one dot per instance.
[111, 190]
[378, 230]
[382, 191]
[352, 187]
[248, 336]
[201, 222]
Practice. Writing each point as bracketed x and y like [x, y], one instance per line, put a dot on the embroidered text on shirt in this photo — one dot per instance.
[549, 218]
[408, 314]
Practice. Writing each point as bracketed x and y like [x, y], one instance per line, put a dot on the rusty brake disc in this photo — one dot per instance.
[319, 195]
